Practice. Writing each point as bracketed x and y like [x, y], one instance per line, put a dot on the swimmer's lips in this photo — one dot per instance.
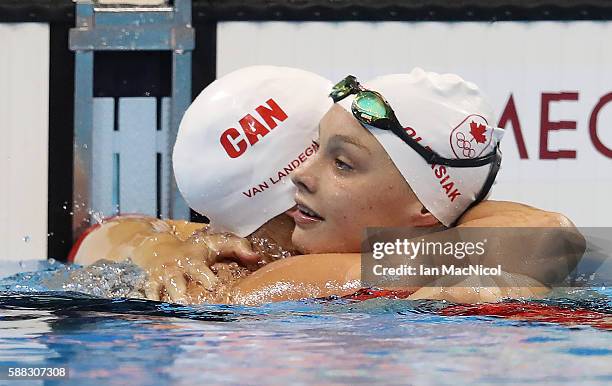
[303, 215]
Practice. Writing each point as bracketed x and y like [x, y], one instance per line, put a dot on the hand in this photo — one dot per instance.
[179, 270]
[179, 281]
[169, 263]
[226, 245]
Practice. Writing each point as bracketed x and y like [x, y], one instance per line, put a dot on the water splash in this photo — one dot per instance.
[269, 249]
[103, 279]
[97, 216]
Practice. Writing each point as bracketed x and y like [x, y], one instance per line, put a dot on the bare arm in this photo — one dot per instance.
[299, 277]
[336, 274]
[511, 214]
[547, 255]
[476, 289]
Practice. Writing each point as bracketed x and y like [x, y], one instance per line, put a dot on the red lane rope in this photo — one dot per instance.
[533, 312]
[529, 312]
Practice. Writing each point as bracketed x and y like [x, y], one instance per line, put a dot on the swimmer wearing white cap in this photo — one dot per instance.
[444, 148]
[254, 127]
[418, 157]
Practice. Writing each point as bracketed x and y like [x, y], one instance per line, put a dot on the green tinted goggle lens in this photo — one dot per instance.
[371, 106]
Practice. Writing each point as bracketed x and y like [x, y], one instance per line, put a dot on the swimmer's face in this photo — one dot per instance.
[350, 184]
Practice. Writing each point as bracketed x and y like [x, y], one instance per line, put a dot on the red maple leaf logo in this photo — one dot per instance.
[478, 132]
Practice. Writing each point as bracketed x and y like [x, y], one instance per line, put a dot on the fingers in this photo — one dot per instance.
[230, 245]
[169, 282]
[199, 272]
[153, 289]
[175, 285]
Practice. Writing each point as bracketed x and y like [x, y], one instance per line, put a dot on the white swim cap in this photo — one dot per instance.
[451, 116]
[242, 137]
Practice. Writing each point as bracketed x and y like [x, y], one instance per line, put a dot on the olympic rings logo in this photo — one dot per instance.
[470, 138]
[465, 145]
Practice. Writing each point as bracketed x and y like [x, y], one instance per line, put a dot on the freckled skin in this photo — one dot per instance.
[351, 200]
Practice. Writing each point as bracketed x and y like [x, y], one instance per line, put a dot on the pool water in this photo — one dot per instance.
[337, 341]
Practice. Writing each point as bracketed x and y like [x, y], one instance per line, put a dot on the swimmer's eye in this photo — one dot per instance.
[341, 165]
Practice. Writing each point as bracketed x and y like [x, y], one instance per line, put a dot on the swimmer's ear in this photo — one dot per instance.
[424, 218]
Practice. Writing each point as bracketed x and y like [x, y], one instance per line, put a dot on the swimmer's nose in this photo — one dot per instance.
[304, 178]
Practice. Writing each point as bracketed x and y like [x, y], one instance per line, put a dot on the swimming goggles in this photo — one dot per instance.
[370, 107]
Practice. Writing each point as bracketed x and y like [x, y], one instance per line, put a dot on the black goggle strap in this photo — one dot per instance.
[433, 158]
[486, 187]
[495, 166]
[350, 86]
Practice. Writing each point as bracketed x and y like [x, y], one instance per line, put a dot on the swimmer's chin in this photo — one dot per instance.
[300, 241]
[308, 243]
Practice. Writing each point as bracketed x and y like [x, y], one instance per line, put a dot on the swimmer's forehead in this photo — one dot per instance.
[344, 139]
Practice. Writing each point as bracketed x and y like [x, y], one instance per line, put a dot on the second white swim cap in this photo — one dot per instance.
[242, 137]
[452, 117]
